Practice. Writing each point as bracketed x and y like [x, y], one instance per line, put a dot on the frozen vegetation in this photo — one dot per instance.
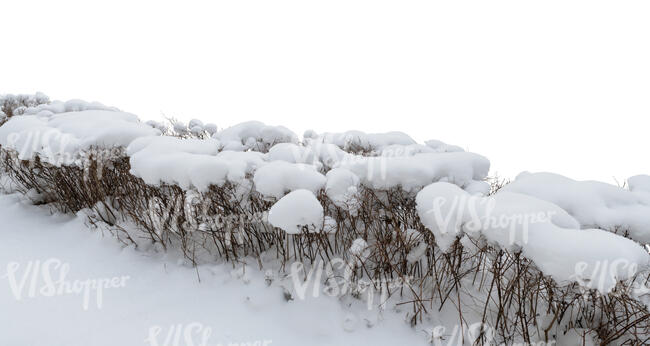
[545, 258]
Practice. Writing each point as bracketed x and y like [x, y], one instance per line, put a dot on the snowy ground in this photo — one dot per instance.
[159, 294]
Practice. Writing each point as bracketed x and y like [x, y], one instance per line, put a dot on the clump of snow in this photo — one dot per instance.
[254, 135]
[180, 128]
[329, 155]
[639, 183]
[342, 187]
[417, 252]
[542, 231]
[291, 152]
[189, 163]
[210, 128]
[359, 245]
[196, 123]
[442, 147]
[59, 138]
[170, 160]
[162, 127]
[296, 210]
[405, 150]
[594, 204]
[353, 141]
[310, 134]
[276, 178]
[56, 107]
[414, 172]
[17, 104]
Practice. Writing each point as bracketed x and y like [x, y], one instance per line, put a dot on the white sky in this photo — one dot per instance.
[561, 86]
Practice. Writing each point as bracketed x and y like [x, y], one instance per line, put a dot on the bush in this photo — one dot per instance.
[384, 230]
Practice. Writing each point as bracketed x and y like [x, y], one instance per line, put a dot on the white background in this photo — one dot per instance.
[560, 86]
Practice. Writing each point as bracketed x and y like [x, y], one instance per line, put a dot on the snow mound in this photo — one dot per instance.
[295, 210]
[414, 172]
[542, 231]
[442, 147]
[291, 152]
[254, 135]
[357, 140]
[276, 178]
[594, 204]
[59, 138]
[56, 107]
[639, 183]
[342, 187]
[189, 163]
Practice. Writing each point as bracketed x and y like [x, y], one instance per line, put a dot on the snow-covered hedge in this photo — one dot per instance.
[393, 206]
[11, 105]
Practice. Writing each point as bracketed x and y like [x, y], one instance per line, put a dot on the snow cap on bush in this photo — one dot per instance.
[60, 138]
[295, 210]
[254, 135]
[550, 242]
[276, 178]
[592, 203]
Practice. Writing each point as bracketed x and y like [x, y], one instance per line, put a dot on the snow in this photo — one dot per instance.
[56, 107]
[414, 172]
[189, 163]
[594, 204]
[210, 128]
[639, 183]
[295, 210]
[358, 246]
[254, 135]
[276, 178]
[546, 217]
[543, 232]
[342, 187]
[161, 293]
[440, 146]
[59, 138]
[196, 123]
[353, 140]
[17, 104]
[291, 152]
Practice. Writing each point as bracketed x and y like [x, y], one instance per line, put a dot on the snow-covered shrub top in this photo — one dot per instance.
[416, 171]
[342, 186]
[56, 107]
[639, 183]
[545, 233]
[295, 210]
[254, 135]
[594, 204]
[354, 141]
[290, 165]
[189, 163]
[58, 135]
[279, 177]
[17, 104]
[442, 147]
